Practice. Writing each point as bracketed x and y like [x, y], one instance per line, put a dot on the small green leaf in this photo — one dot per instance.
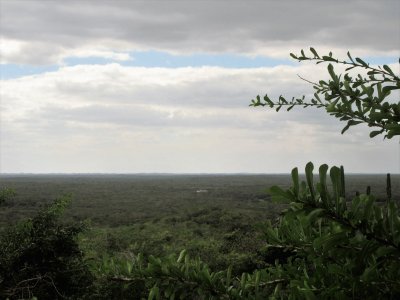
[389, 70]
[350, 123]
[349, 55]
[314, 52]
[229, 275]
[322, 187]
[335, 174]
[393, 132]
[290, 107]
[182, 256]
[360, 61]
[295, 179]
[128, 267]
[310, 179]
[332, 72]
[279, 194]
[386, 89]
[154, 293]
[375, 133]
[328, 58]
[349, 68]
[257, 280]
[315, 214]
[345, 128]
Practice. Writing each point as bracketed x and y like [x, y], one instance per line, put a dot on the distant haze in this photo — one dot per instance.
[164, 86]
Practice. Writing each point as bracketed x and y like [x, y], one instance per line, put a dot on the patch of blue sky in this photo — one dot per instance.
[152, 59]
[11, 71]
[381, 60]
[167, 60]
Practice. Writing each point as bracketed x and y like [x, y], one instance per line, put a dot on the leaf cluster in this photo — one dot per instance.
[350, 249]
[353, 99]
[184, 278]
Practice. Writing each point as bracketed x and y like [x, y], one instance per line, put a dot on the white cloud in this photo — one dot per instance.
[110, 118]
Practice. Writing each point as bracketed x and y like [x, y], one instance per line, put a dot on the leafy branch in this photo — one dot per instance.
[353, 99]
[185, 277]
[360, 238]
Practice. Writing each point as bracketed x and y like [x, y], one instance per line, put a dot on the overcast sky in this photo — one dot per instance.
[164, 86]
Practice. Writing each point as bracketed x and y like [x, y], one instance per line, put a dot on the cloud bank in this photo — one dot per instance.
[111, 118]
[45, 32]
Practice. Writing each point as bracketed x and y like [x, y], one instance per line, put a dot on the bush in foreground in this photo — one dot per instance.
[40, 257]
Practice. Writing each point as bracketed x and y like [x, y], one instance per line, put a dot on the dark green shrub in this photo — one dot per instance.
[40, 257]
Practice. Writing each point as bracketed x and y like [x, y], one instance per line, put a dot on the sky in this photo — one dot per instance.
[165, 86]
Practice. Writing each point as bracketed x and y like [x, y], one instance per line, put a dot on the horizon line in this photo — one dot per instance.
[174, 173]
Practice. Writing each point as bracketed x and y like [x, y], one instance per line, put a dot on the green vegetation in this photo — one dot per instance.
[323, 246]
[154, 215]
[5, 195]
[331, 241]
[165, 214]
[360, 99]
[41, 257]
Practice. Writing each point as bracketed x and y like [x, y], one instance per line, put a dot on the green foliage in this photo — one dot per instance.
[344, 248]
[185, 278]
[40, 257]
[6, 194]
[323, 247]
[353, 99]
[132, 200]
[218, 236]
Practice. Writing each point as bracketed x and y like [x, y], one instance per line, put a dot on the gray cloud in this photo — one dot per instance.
[51, 29]
[121, 119]
[189, 97]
